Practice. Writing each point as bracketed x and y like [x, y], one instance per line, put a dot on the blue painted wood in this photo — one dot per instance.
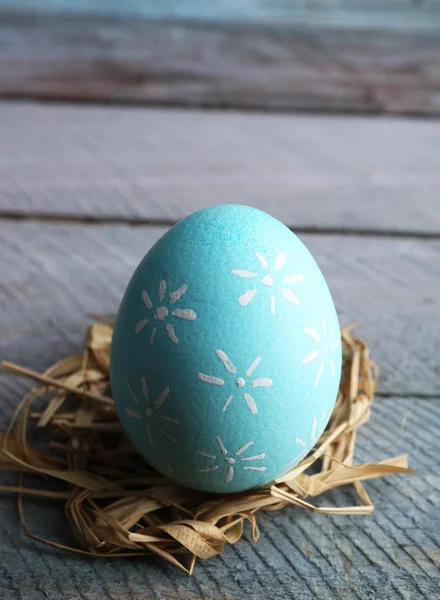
[378, 14]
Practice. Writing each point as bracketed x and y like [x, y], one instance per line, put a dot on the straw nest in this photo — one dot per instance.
[118, 505]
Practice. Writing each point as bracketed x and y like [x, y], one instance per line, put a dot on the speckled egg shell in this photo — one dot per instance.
[226, 354]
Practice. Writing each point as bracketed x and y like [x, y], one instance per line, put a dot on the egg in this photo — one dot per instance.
[226, 352]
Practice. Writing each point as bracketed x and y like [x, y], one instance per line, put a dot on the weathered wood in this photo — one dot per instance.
[159, 165]
[394, 553]
[270, 66]
[381, 14]
[53, 274]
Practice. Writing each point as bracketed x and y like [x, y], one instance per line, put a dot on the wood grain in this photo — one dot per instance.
[379, 14]
[53, 274]
[246, 65]
[316, 172]
[392, 554]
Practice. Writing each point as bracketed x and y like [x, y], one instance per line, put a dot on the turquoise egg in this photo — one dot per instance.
[226, 353]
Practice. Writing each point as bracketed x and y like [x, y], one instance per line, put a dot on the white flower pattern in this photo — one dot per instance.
[150, 411]
[162, 312]
[325, 346]
[240, 382]
[231, 462]
[315, 433]
[268, 280]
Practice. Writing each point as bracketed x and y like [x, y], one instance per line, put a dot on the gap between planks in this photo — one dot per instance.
[140, 222]
[215, 106]
[416, 395]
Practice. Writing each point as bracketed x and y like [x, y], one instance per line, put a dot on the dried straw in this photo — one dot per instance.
[118, 505]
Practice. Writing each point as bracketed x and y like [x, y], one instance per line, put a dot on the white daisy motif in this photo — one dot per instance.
[268, 280]
[150, 410]
[162, 312]
[231, 462]
[325, 346]
[316, 431]
[240, 382]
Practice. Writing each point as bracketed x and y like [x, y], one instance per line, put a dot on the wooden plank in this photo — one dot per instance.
[53, 274]
[382, 14]
[159, 165]
[392, 554]
[270, 66]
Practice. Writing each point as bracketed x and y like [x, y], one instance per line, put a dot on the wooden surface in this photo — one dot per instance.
[392, 287]
[393, 554]
[55, 268]
[381, 14]
[259, 65]
[313, 172]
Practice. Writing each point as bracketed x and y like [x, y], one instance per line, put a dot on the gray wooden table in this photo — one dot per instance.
[84, 192]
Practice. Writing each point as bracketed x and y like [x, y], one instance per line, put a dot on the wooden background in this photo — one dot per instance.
[359, 56]
[84, 192]
[86, 189]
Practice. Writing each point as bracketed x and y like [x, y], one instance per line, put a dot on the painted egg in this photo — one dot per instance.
[226, 353]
